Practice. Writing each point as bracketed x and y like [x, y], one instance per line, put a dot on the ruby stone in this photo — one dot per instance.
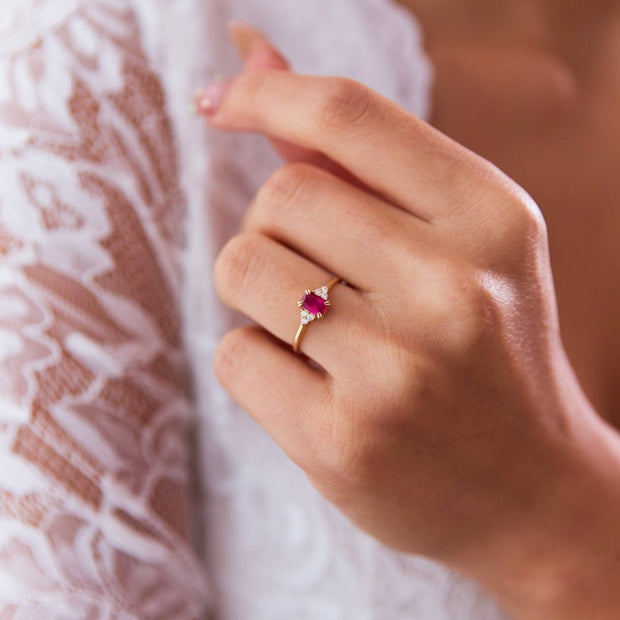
[313, 303]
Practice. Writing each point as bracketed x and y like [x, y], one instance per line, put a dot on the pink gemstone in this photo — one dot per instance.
[313, 303]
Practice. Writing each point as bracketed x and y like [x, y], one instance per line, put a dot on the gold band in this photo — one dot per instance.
[302, 327]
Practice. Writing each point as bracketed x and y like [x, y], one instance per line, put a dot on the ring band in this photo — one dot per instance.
[313, 305]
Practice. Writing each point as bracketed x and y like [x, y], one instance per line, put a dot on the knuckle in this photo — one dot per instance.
[235, 265]
[521, 233]
[357, 467]
[385, 232]
[531, 226]
[352, 449]
[476, 321]
[230, 354]
[351, 465]
[524, 218]
[285, 190]
[468, 316]
[340, 453]
[345, 104]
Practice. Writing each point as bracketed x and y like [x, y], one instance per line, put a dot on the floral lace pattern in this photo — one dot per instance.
[94, 407]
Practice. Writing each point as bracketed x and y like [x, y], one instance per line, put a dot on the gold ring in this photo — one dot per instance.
[313, 305]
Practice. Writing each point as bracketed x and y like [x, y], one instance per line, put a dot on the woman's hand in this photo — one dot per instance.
[441, 414]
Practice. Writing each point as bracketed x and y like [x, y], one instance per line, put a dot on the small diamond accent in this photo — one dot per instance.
[321, 292]
[306, 317]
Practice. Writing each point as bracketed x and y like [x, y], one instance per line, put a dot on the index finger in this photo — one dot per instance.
[404, 159]
[258, 54]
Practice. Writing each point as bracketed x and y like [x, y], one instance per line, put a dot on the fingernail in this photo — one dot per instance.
[207, 100]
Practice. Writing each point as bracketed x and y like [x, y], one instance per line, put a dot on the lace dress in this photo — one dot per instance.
[126, 490]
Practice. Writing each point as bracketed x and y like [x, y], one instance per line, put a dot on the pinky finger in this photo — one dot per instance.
[286, 396]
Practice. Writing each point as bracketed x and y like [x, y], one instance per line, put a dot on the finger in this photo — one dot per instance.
[255, 48]
[288, 398]
[337, 226]
[259, 53]
[263, 279]
[400, 156]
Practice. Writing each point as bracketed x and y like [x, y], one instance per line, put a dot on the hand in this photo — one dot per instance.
[438, 410]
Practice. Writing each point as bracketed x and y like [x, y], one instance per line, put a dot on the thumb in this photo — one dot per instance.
[257, 52]
[255, 48]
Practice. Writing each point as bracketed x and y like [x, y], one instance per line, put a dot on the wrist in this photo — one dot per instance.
[563, 557]
[554, 552]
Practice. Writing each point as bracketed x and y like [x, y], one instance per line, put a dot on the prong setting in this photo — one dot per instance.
[313, 305]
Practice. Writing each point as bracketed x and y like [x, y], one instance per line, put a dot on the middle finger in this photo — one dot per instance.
[336, 225]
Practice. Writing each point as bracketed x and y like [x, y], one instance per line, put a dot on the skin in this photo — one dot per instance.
[445, 418]
[548, 71]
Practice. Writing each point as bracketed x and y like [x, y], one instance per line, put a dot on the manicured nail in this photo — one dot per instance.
[207, 100]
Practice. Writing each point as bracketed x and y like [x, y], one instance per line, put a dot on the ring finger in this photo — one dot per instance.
[263, 279]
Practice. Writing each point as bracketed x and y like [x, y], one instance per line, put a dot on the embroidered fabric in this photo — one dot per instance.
[113, 204]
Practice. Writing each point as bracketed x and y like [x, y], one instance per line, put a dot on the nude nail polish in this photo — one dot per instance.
[207, 100]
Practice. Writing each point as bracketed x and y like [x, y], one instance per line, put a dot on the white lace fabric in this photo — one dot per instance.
[113, 203]
[94, 411]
